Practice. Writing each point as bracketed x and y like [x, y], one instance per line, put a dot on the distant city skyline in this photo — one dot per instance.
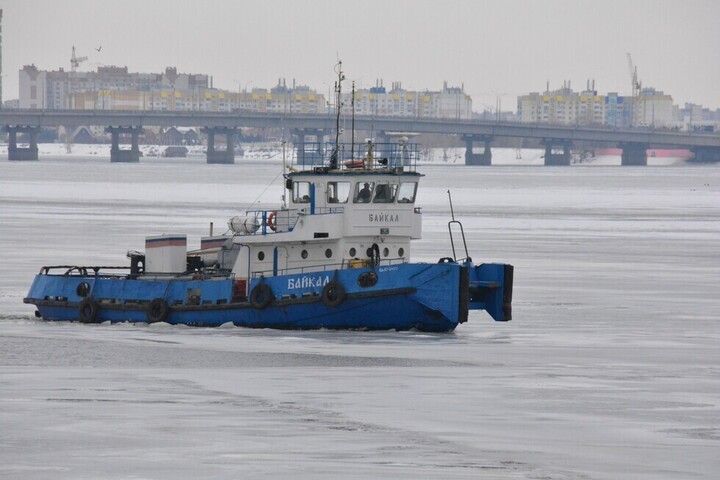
[498, 50]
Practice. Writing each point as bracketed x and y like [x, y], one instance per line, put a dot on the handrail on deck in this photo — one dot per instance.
[81, 270]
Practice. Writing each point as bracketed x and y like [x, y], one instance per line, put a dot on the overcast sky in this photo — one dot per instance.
[500, 48]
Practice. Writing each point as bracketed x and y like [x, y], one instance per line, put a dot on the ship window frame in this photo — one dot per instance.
[401, 191]
[301, 196]
[335, 187]
[356, 196]
[385, 187]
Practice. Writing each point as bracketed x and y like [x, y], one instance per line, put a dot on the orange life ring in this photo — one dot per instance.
[271, 221]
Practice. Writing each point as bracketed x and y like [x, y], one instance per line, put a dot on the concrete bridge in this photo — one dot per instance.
[633, 142]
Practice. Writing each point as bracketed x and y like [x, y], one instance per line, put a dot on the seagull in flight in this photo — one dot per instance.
[99, 48]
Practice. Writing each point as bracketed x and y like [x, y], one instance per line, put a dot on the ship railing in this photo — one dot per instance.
[399, 155]
[184, 276]
[324, 267]
[274, 221]
[280, 221]
[102, 271]
[82, 271]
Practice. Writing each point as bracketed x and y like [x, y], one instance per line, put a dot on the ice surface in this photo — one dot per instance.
[610, 368]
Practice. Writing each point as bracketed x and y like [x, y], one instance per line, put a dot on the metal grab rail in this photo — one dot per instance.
[84, 271]
[81, 270]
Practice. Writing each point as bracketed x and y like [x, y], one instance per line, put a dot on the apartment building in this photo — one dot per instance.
[115, 88]
[563, 107]
[57, 89]
[450, 102]
[587, 108]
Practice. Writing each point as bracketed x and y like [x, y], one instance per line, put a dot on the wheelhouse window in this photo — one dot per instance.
[385, 193]
[406, 192]
[363, 192]
[338, 192]
[301, 192]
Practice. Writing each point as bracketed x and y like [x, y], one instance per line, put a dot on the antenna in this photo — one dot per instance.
[352, 136]
[284, 172]
[338, 91]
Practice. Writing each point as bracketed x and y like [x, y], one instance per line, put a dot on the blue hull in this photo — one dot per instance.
[427, 297]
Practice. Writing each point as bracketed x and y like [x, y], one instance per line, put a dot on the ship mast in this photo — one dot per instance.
[338, 90]
[352, 136]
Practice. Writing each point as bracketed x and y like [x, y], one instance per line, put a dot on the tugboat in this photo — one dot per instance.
[336, 255]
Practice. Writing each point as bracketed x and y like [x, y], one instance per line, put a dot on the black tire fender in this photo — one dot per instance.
[157, 311]
[367, 279]
[261, 296]
[333, 294]
[88, 310]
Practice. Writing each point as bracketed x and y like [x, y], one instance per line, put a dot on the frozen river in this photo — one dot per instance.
[610, 368]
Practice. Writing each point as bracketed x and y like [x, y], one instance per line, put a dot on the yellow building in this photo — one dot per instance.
[650, 108]
[450, 102]
[204, 100]
[563, 107]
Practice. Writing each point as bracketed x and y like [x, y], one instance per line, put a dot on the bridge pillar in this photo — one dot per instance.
[706, 154]
[633, 154]
[124, 155]
[556, 159]
[472, 158]
[309, 153]
[27, 153]
[226, 156]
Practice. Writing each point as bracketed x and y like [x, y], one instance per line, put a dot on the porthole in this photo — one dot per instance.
[386, 252]
[328, 253]
[261, 256]
[369, 252]
[304, 254]
[352, 252]
[401, 252]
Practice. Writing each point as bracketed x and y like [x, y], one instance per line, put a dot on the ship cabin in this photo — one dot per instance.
[333, 218]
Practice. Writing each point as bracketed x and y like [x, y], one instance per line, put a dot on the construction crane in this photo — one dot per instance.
[75, 61]
[636, 85]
